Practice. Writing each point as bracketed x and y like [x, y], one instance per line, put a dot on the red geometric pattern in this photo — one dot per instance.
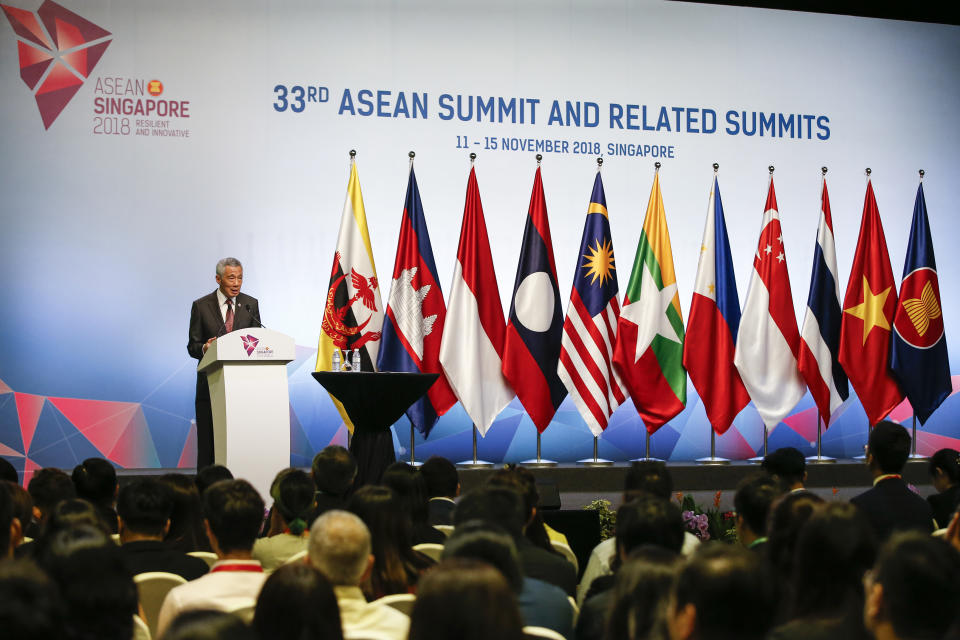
[59, 44]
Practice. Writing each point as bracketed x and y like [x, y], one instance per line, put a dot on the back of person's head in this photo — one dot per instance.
[640, 593]
[888, 446]
[467, 600]
[488, 543]
[410, 489]
[70, 514]
[648, 476]
[787, 465]
[93, 579]
[499, 505]
[333, 470]
[649, 520]
[9, 524]
[521, 481]
[186, 520]
[297, 602]
[914, 587]
[834, 548]
[49, 486]
[30, 604]
[787, 516]
[724, 593]
[441, 477]
[234, 511]
[752, 501]
[207, 624]
[8, 471]
[383, 513]
[209, 475]
[95, 480]
[22, 503]
[948, 462]
[340, 547]
[144, 505]
[292, 492]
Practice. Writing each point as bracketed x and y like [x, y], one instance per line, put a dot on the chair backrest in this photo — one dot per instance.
[576, 611]
[567, 553]
[244, 612]
[299, 556]
[402, 602]
[207, 556]
[445, 529]
[152, 588]
[140, 629]
[430, 549]
[541, 633]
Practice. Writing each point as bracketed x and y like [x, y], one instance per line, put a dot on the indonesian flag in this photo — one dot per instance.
[868, 310]
[532, 346]
[474, 331]
[768, 342]
[649, 348]
[714, 321]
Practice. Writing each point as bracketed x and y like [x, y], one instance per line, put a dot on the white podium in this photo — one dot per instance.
[247, 374]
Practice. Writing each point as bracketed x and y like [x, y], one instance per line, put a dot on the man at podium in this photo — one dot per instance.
[212, 316]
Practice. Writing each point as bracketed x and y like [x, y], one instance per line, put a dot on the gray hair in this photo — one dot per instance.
[339, 547]
[227, 262]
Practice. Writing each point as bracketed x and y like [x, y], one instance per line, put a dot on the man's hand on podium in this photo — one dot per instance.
[206, 345]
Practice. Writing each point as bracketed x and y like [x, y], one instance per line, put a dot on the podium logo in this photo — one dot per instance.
[58, 49]
[249, 343]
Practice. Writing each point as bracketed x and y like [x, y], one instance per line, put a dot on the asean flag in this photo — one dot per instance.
[532, 345]
[416, 314]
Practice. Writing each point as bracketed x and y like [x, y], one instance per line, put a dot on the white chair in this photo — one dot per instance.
[115, 537]
[538, 633]
[140, 629]
[567, 553]
[244, 612]
[207, 556]
[152, 588]
[299, 556]
[402, 602]
[430, 549]
[576, 611]
[445, 529]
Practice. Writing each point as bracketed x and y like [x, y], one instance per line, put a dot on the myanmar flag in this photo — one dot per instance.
[649, 349]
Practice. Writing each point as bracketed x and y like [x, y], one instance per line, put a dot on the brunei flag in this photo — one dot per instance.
[353, 313]
[649, 349]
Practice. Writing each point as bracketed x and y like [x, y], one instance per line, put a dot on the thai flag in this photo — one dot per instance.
[415, 314]
[820, 336]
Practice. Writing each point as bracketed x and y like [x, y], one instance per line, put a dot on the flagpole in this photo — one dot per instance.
[820, 458]
[863, 457]
[595, 461]
[913, 454]
[475, 463]
[413, 457]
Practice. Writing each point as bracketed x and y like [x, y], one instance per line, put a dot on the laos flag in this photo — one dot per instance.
[415, 314]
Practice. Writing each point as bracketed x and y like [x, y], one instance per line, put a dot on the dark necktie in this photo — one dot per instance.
[228, 322]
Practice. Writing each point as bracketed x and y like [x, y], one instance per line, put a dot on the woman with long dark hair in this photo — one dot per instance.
[296, 602]
[186, 532]
[411, 490]
[292, 493]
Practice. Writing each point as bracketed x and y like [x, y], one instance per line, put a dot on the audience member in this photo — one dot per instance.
[67, 514]
[752, 501]
[945, 474]
[397, 567]
[143, 509]
[95, 480]
[524, 482]
[97, 588]
[443, 487]
[465, 600]
[22, 509]
[333, 471]
[787, 516]
[504, 507]
[30, 604]
[638, 599]
[297, 601]
[410, 489]
[232, 511]
[788, 467]
[209, 475]
[340, 548]
[47, 487]
[913, 591]
[541, 604]
[208, 624]
[834, 549]
[8, 472]
[10, 530]
[721, 593]
[890, 505]
[186, 531]
[292, 493]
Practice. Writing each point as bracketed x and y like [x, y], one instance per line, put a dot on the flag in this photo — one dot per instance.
[649, 349]
[867, 313]
[353, 313]
[820, 335]
[415, 314]
[768, 341]
[474, 331]
[714, 321]
[590, 328]
[920, 360]
[532, 346]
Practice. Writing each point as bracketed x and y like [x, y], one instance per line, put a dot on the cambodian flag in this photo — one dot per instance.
[415, 314]
[532, 345]
[919, 356]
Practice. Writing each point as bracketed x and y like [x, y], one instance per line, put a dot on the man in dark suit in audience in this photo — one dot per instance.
[143, 509]
[890, 505]
[443, 486]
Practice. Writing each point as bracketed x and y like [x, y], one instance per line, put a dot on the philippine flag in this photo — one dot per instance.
[416, 313]
[532, 346]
